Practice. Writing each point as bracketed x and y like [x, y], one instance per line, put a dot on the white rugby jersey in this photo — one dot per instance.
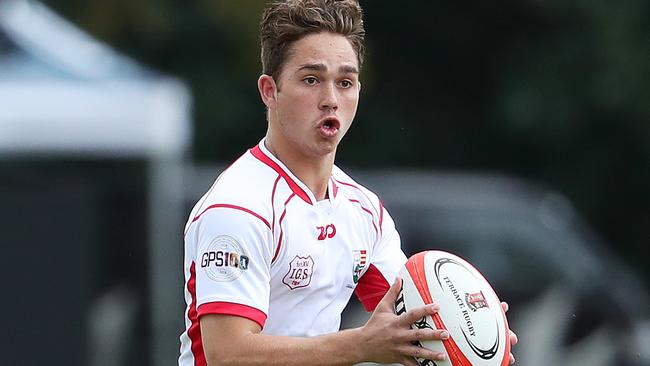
[259, 245]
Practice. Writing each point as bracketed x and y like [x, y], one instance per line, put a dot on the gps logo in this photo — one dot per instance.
[224, 259]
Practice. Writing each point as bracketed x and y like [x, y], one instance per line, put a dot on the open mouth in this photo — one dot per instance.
[329, 127]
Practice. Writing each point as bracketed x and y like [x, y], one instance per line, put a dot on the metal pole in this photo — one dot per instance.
[167, 215]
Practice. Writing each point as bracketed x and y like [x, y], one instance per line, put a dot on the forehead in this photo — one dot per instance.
[334, 51]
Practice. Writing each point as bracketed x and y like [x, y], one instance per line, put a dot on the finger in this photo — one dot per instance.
[418, 313]
[422, 352]
[388, 302]
[513, 338]
[426, 335]
[408, 361]
[505, 306]
[512, 358]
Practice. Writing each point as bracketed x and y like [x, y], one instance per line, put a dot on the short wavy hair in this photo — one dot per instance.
[285, 22]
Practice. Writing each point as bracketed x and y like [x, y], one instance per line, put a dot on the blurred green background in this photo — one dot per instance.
[556, 92]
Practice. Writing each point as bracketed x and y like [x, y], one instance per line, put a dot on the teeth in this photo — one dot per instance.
[328, 124]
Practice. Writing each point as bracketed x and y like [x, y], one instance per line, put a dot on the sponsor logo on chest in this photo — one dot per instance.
[326, 232]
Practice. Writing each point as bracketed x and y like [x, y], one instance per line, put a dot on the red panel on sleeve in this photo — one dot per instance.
[371, 288]
[229, 308]
[195, 329]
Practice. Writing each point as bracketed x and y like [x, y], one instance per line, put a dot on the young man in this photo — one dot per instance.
[276, 247]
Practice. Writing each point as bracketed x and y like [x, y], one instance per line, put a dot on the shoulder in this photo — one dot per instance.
[351, 187]
[245, 186]
[355, 191]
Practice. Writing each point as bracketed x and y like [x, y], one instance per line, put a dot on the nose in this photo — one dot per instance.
[329, 98]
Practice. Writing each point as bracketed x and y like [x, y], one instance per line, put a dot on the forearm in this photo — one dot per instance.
[385, 338]
[340, 348]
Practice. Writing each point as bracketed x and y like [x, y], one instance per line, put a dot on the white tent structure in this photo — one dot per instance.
[63, 94]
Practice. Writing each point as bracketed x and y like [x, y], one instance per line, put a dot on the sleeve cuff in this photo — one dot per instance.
[371, 288]
[229, 308]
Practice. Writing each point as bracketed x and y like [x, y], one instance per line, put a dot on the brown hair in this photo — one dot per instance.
[285, 22]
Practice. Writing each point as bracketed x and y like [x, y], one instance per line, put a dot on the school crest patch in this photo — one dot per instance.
[359, 259]
[300, 272]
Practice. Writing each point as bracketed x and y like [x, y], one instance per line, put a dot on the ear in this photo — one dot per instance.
[268, 90]
[359, 86]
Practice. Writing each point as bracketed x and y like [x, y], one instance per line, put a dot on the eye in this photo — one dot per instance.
[310, 80]
[346, 83]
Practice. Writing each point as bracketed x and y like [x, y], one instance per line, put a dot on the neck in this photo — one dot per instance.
[314, 172]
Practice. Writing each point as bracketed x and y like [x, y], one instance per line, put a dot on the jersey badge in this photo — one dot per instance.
[300, 272]
[360, 257]
[224, 259]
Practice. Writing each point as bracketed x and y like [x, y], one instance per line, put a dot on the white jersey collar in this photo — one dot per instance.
[297, 186]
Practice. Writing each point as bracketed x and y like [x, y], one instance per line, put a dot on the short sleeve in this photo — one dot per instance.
[232, 264]
[386, 260]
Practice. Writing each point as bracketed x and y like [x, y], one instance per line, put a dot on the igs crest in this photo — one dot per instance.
[300, 272]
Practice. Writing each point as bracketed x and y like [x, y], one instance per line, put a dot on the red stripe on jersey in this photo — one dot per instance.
[371, 288]
[194, 332]
[335, 188]
[259, 154]
[368, 211]
[381, 213]
[275, 186]
[229, 308]
[353, 186]
[277, 248]
[235, 207]
[381, 216]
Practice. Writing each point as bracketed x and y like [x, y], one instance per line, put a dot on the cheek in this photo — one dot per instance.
[291, 106]
[351, 105]
[297, 102]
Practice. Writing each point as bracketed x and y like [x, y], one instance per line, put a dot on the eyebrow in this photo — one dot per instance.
[345, 69]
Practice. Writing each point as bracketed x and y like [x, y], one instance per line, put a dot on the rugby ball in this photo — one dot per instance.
[469, 309]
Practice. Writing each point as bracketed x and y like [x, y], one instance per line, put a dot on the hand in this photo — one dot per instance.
[386, 337]
[513, 336]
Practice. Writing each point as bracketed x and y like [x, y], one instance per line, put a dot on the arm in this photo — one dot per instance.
[385, 338]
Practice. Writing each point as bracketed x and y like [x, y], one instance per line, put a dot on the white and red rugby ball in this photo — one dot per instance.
[469, 309]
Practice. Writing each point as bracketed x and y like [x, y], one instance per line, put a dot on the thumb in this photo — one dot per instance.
[388, 302]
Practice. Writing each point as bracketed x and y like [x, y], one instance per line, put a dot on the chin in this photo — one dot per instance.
[325, 148]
